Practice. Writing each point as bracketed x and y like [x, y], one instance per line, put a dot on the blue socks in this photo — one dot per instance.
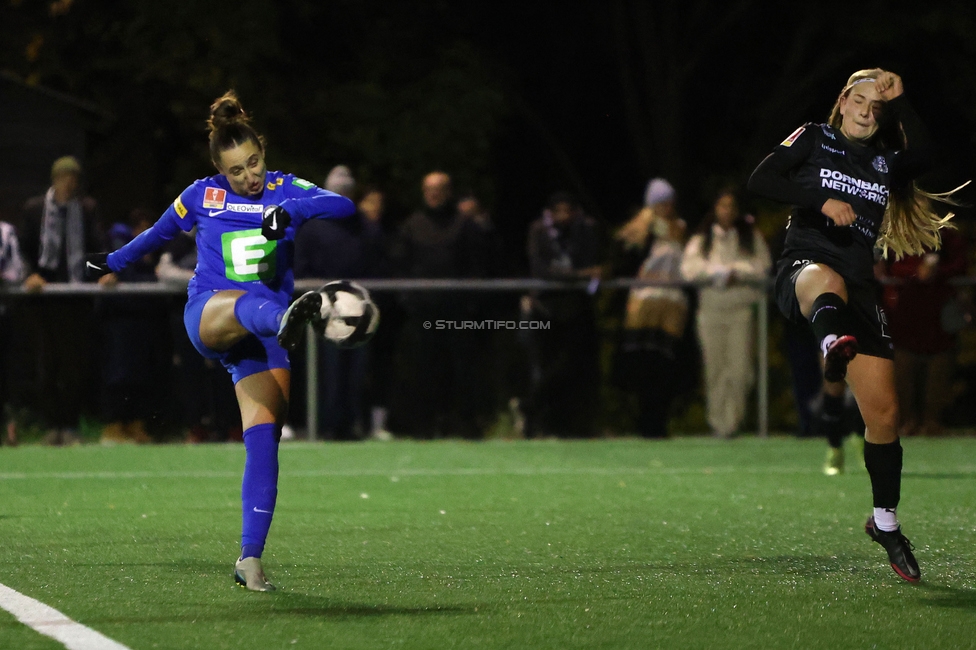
[259, 489]
[258, 315]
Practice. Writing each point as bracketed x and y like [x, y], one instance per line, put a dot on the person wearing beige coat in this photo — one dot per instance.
[727, 258]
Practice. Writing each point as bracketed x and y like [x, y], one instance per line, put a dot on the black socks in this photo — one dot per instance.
[830, 318]
[832, 420]
[883, 463]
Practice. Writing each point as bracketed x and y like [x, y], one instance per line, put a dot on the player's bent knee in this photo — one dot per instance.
[816, 280]
[219, 328]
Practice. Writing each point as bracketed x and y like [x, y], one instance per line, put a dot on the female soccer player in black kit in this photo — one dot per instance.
[851, 184]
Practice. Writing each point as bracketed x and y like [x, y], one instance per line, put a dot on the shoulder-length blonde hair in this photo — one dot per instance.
[910, 225]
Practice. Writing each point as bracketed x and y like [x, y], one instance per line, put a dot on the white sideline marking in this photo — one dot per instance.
[460, 471]
[50, 622]
[415, 471]
[418, 471]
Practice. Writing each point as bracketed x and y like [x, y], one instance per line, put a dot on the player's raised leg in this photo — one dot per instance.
[307, 308]
[822, 294]
[231, 315]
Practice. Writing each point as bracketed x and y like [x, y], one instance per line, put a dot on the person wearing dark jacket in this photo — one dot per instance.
[563, 244]
[58, 228]
[347, 249]
[437, 242]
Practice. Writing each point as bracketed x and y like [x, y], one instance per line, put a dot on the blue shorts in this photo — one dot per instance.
[249, 356]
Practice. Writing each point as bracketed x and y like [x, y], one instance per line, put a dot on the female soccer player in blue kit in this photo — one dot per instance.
[237, 310]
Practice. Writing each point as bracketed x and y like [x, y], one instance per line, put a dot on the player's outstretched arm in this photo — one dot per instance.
[146, 242]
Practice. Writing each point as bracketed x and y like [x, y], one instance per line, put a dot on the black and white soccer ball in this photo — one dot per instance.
[350, 316]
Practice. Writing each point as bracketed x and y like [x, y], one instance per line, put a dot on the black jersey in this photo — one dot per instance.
[817, 163]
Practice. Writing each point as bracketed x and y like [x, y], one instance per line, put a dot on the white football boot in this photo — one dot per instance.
[249, 573]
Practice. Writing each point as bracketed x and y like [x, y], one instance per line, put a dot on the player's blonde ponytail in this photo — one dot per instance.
[910, 225]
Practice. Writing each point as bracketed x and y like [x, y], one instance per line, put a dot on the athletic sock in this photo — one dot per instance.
[259, 489]
[258, 315]
[832, 419]
[886, 519]
[884, 463]
[831, 319]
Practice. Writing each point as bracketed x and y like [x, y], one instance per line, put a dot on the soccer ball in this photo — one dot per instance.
[351, 318]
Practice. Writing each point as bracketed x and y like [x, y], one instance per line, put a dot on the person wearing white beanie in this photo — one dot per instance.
[340, 180]
[658, 191]
[655, 316]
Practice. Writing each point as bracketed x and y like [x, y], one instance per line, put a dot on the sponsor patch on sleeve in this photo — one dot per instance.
[214, 198]
[302, 183]
[788, 142]
[179, 207]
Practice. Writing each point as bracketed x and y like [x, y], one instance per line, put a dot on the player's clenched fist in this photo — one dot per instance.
[839, 212]
[96, 265]
[274, 222]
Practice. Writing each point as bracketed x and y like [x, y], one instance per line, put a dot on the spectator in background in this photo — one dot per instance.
[334, 249]
[924, 326]
[372, 205]
[133, 340]
[349, 249]
[11, 274]
[58, 229]
[495, 391]
[726, 257]
[203, 390]
[379, 375]
[564, 244]
[436, 242]
[470, 207]
[655, 317]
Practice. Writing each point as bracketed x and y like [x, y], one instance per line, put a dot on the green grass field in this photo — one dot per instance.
[688, 543]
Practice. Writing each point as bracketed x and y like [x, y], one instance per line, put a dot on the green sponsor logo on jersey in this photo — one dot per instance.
[302, 183]
[248, 256]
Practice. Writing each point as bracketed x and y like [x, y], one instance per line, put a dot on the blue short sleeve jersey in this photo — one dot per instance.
[231, 251]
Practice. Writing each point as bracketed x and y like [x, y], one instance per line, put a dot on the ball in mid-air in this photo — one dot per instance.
[351, 317]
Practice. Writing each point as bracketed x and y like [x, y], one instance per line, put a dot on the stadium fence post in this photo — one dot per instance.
[762, 361]
[312, 384]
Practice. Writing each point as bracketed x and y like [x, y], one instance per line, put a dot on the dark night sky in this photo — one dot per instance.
[558, 69]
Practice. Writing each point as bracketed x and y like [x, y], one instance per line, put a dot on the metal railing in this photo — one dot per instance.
[514, 285]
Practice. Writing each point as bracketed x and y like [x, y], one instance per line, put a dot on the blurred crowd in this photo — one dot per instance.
[122, 363]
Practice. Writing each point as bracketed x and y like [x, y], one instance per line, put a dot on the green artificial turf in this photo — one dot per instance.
[689, 543]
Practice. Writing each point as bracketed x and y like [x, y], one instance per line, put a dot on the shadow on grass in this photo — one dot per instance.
[942, 596]
[808, 566]
[295, 604]
[285, 604]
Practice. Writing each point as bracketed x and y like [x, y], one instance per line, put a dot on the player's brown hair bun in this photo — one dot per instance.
[230, 125]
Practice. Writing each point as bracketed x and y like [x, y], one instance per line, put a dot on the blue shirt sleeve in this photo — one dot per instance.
[176, 217]
[307, 201]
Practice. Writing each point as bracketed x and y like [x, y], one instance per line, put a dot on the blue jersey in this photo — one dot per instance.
[231, 251]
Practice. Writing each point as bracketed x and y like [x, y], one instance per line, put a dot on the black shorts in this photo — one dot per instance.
[863, 297]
